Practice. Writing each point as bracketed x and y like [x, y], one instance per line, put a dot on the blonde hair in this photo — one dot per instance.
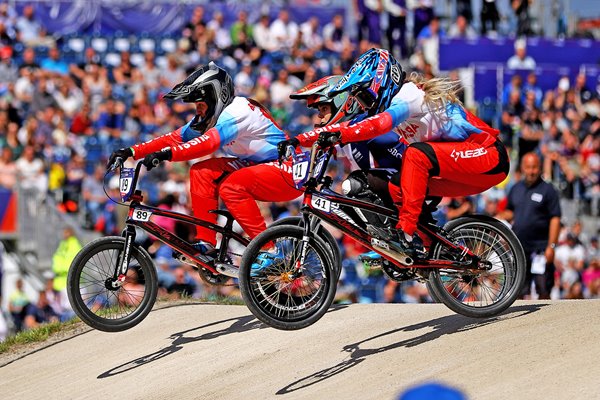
[438, 91]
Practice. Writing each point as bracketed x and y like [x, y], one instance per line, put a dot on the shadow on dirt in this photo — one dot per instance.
[240, 324]
[435, 329]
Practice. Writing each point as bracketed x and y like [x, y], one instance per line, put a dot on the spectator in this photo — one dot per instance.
[8, 70]
[17, 305]
[283, 32]
[241, 25]
[570, 262]
[54, 64]
[8, 169]
[461, 29]
[262, 34]
[92, 192]
[30, 171]
[489, 17]
[281, 89]
[520, 60]
[30, 31]
[460, 206]
[422, 16]
[429, 41]
[39, 313]
[368, 14]
[67, 249]
[396, 29]
[521, 9]
[311, 37]
[531, 86]
[181, 286]
[222, 36]
[334, 38]
[534, 209]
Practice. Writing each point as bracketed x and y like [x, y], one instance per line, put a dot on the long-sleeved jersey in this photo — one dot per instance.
[244, 130]
[410, 118]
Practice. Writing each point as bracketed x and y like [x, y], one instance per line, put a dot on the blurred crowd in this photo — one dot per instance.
[62, 113]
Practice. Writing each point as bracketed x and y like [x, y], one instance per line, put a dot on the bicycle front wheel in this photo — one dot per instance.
[92, 296]
[282, 287]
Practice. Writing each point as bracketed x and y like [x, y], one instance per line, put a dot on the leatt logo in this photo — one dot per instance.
[468, 153]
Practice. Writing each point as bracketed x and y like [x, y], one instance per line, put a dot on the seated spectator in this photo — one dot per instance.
[17, 305]
[531, 86]
[262, 34]
[461, 29]
[30, 31]
[222, 37]
[54, 64]
[334, 37]
[283, 32]
[241, 25]
[92, 192]
[30, 171]
[39, 313]
[181, 285]
[520, 60]
[311, 37]
[8, 169]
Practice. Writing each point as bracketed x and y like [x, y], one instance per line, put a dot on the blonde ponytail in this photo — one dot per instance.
[438, 91]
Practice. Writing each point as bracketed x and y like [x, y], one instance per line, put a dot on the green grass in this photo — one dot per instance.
[43, 332]
[35, 335]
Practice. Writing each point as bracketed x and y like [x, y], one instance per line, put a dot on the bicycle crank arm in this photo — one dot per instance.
[227, 269]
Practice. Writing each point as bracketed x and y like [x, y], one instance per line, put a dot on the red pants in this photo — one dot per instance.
[239, 187]
[447, 169]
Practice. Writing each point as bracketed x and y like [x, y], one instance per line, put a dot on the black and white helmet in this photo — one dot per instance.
[210, 84]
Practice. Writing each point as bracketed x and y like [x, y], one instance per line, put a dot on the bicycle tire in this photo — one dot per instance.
[272, 301]
[104, 309]
[323, 233]
[470, 295]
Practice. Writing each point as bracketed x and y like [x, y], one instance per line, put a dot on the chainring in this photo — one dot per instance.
[217, 279]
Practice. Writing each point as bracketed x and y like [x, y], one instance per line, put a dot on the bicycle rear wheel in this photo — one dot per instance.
[91, 295]
[275, 295]
[476, 293]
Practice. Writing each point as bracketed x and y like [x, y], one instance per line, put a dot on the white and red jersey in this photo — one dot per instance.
[244, 130]
[409, 117]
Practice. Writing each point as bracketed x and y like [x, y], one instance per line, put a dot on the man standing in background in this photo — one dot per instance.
[534, 209]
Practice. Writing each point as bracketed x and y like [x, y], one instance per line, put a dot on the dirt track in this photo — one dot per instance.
[536, 350]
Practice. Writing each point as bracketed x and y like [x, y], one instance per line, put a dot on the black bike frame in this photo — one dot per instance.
[340, 212]
[139, 215]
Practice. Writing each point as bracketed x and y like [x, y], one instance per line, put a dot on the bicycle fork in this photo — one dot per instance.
[118, 278]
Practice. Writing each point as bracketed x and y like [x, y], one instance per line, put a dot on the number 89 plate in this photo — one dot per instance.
[141, 215]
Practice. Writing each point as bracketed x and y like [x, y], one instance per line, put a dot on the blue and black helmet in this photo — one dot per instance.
[374, 79]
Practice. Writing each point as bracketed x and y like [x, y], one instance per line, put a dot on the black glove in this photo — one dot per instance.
[283, 145]
[329, 138]
[154, 159]
[123, 154]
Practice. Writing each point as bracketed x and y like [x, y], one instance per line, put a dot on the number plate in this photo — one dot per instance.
[300, 166]
[125, 181]
[141, 215]
[321, 204]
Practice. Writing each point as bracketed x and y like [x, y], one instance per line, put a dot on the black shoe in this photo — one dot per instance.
[414, 248]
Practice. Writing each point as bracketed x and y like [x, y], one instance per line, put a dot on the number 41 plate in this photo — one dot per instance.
[321, 204]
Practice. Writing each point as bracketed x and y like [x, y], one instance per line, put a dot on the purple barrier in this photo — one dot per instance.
[457, 53]
[156, 17]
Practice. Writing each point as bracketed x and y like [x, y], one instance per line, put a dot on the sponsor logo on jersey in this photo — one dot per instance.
[468, 153]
